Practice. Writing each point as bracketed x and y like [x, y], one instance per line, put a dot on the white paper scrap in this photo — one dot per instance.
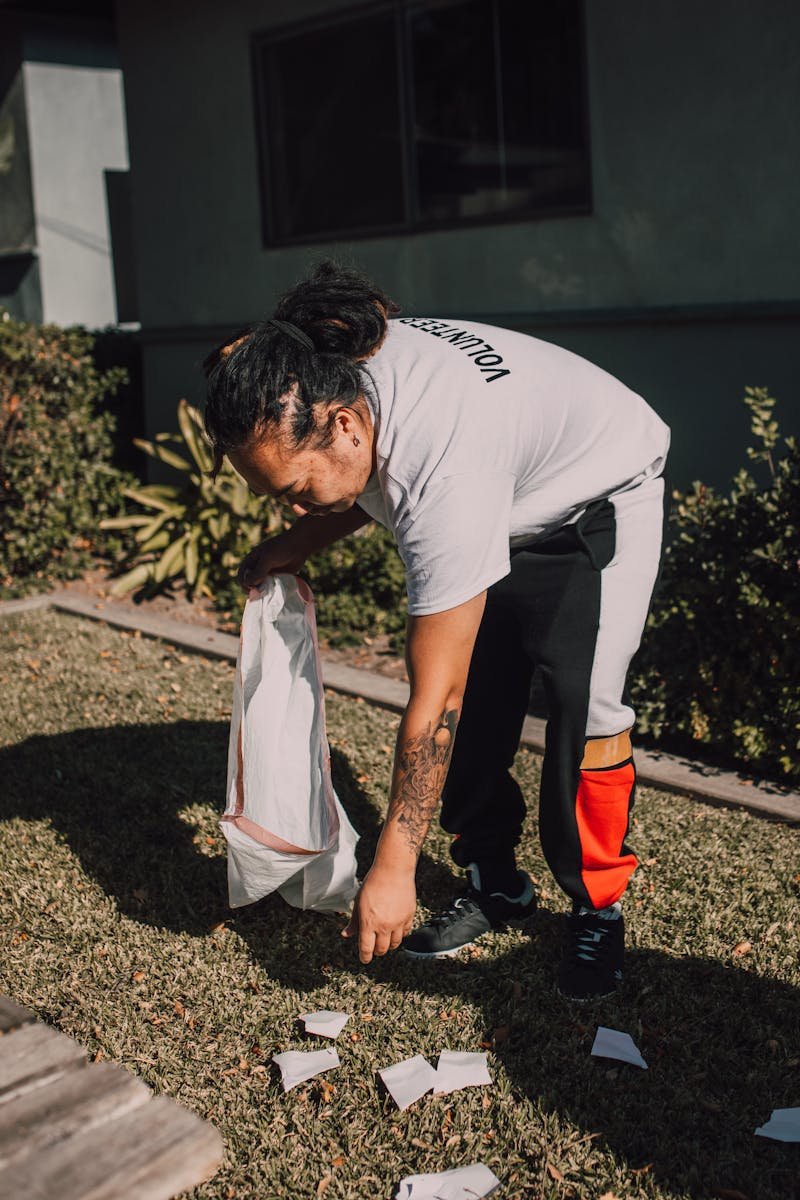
[611, 1043]
[783, 1125]
[462, 1183]
[406, 1081]
[325, 1023]
[460, 1069]
[297, 1066]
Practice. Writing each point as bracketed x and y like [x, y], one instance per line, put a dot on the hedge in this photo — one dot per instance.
[56, 474]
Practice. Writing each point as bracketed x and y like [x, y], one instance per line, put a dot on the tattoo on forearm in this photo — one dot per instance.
[421, 772]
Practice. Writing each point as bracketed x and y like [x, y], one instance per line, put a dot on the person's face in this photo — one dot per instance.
[312, 482]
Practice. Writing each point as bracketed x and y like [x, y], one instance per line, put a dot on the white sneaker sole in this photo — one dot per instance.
[436, 953]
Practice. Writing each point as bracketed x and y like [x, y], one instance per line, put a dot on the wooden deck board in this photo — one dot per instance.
[70, 1130]
[152, 1153]
[32, 1056]
[74, 1103]
[13, 1015]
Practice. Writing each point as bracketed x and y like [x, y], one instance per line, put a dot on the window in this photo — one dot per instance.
[422, 116]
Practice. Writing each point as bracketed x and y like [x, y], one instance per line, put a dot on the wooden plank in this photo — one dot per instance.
[152, 1153]
[13, 1015]
[32, 1056]
[28, 604]
[74, 1103]
[202, 639]
[355, 681]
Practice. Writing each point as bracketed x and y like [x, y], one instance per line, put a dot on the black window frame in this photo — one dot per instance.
[410, 226]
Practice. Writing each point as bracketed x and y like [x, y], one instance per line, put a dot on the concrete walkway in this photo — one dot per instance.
[653, 768]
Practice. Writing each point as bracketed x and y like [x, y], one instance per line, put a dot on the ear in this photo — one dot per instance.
[345, 421]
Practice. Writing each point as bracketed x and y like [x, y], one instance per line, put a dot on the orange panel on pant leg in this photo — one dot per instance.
[601, 809]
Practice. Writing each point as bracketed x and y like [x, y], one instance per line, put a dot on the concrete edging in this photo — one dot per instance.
[653, 768]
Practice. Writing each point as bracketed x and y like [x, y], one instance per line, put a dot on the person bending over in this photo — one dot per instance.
[523, 486]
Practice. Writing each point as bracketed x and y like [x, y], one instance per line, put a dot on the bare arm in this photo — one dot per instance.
[438, 652]
[288, 551]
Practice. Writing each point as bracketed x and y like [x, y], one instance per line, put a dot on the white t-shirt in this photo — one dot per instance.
[486, 439]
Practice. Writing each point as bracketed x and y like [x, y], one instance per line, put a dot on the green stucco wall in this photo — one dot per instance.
[696, 190]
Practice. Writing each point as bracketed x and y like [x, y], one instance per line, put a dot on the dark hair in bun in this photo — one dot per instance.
[323, 331]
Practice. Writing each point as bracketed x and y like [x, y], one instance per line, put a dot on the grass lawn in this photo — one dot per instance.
[115, 929]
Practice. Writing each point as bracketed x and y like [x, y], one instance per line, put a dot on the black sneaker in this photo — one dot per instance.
[594, 952]
[469, 917]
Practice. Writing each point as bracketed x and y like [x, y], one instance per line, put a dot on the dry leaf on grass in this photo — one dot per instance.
[554, 1173]
[742, 948]
[324, 1184]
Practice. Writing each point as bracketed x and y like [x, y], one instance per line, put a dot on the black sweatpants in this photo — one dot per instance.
[575, 604]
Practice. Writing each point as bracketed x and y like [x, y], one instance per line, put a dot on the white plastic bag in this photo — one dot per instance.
[285, 827]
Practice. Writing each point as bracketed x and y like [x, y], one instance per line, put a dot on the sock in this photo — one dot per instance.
[612, 913]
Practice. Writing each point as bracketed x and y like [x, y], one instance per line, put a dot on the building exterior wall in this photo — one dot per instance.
[695, 188]
[19, 275]
[62, 127]
[76, 126]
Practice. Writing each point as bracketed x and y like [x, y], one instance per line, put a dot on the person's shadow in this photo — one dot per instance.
[721, 1043]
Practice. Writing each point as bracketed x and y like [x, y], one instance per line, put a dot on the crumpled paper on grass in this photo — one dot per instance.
[408, 1080]
[612, 1043]
[298, 1066]
[325, 1023]
[458, 1069]
[783, 1125]
[462, 1183]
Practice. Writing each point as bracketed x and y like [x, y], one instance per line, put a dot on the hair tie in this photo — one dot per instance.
[293, 332]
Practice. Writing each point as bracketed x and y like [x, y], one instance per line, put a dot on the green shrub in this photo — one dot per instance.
[359, 586]
[197, 531]
[720, 663]
[56, 477]
[195, 534]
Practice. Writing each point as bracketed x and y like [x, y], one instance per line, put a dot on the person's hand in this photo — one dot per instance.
[284, 552]
[383, 912]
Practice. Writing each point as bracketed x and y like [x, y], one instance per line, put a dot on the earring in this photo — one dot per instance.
[356, 441]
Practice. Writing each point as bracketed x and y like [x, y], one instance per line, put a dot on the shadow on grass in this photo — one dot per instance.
[722, 1043]
[116, 796]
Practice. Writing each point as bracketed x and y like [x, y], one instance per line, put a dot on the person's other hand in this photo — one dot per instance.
[280, 553]
[383, 912]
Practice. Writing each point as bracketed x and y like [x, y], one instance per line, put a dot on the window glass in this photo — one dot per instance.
[334, 152]
[455, 111]
[476, 113]
[540, 48]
